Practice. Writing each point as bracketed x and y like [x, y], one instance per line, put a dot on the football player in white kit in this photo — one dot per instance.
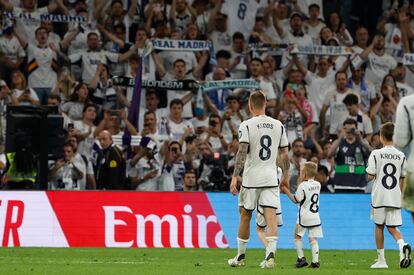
[386, 166]
[261, 139]
[307, 196]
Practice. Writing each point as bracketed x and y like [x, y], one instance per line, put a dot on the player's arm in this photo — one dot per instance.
[238, 166]
[371, 167]
[285, 165]
[402, 131]
[286, 190]
[402, 184]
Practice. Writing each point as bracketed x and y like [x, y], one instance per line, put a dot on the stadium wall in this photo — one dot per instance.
[176, 219]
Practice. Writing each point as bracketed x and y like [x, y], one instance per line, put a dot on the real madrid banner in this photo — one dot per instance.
[321, 50]
[181, 45]
[270, 49]
[46, 17]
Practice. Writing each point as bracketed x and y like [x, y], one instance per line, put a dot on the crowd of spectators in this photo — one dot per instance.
[331, 106]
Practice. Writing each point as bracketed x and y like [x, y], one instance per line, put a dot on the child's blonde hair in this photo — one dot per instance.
[311, 169]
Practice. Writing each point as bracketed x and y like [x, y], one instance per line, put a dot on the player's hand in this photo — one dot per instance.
[234, 185]
[285, 183]
[284, 189]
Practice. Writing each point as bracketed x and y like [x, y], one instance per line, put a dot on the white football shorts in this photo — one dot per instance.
[387, 216]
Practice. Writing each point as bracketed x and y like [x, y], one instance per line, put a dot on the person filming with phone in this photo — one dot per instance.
[351, 153]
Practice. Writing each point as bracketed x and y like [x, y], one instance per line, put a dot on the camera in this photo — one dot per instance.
[212, 123]
[217, 180]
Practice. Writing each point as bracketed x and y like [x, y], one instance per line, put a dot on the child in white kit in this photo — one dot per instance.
[307, 196]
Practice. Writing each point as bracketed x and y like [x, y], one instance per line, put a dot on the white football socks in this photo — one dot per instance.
[381, 255]
[271, 246]
[315, 251]
[400, 243]
[299, 248]
[241, 246]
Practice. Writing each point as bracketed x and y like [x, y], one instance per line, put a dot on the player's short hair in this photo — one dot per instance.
[257, 99]
[311, 169]
[350, 99]
[387, 131]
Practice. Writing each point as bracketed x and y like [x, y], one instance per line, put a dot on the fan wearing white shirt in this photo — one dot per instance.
[379, 62]
[256, 69]
[387, 167]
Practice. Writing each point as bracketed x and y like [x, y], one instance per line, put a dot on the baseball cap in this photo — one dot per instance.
[3, 83]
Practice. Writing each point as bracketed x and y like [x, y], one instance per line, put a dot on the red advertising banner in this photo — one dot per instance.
[109, 219]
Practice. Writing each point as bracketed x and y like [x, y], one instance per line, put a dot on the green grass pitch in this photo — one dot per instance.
[182, 261]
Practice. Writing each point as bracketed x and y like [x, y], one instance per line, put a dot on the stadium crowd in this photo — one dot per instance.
[332, 106]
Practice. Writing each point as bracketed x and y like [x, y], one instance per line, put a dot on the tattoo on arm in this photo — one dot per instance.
[240, 158]
[285, 162]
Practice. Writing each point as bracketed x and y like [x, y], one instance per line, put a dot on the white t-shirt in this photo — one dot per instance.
[169, 57]
[18, 93]
[40, 62]
[173, 94]
[364, 123]
[221, 41]
[142, 168]
[378, 67]
[265, 136]
[85, 146]
[318, 88]
[337, 108]
[11, 48]
[387, 165]
[304, 40]
[177, 129]
[314, 31]
[90, 61]
[241, 15]
[307, 195]
[27, 27]
[267, 88]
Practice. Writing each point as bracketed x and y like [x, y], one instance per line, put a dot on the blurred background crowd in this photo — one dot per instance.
[331, 105]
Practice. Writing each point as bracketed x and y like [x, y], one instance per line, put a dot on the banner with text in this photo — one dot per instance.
[171, 219]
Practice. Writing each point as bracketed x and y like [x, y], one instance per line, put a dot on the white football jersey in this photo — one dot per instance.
[307, 195]
[265, 136]
[387, 165]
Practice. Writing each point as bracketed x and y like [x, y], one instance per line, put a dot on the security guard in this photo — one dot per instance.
[110, 166]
